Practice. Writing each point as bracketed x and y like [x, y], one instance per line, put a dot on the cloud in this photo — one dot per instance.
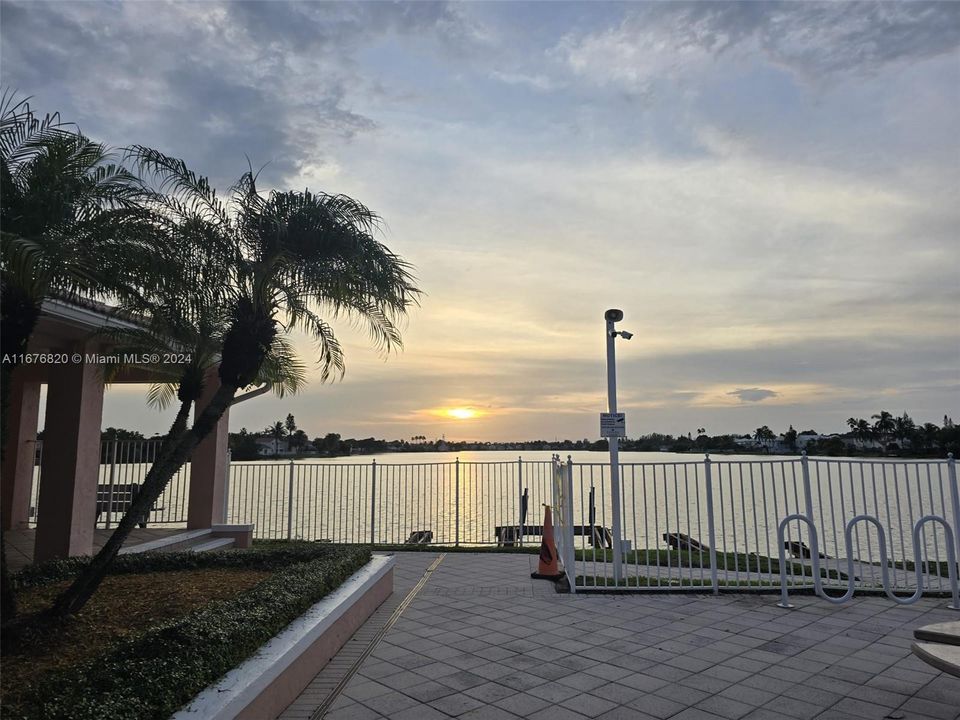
[758, 235]
[537, 82]
[667, 41]
[753, 395]
[279, 81]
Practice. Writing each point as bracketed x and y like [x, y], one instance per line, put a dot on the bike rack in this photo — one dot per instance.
[884, 570]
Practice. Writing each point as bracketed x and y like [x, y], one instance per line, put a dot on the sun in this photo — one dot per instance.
[462, 413]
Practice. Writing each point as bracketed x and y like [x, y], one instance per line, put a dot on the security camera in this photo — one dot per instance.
[613, 315]
[626, 335]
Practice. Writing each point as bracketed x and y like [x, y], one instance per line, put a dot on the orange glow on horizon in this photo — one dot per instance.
[462, 413]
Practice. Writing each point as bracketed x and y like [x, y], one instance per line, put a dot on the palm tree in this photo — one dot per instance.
[860, 429]
[293, 258]
[183, 317]
[904, 428]
[69, 223]
[764, 435]
[278, 432]
[884, 425]
[927, 435]
[299, 439]
[72, 220]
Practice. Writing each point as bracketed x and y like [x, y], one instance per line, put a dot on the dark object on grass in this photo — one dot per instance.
[800, 550]
[420, 537]
[679, 541]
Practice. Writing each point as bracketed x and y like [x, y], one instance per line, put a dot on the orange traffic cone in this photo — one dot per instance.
[548, 568]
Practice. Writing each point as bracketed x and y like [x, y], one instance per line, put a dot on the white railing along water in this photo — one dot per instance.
[702, 524]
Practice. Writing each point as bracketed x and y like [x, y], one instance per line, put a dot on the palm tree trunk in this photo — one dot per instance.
[18, 318]
[174, 452]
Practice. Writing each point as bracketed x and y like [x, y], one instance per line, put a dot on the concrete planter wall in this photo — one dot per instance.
[263, 686]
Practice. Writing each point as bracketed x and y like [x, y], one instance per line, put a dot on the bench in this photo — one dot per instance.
[510, 535]
[117, 499]
[679, 541]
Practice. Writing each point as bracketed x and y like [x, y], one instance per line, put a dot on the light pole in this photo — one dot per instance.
[612, 317]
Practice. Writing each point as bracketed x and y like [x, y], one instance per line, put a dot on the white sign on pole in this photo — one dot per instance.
[613, 425]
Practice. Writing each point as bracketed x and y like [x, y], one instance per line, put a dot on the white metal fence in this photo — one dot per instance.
[710, 524]
[124, 466]
[453, 503]
[702, 524]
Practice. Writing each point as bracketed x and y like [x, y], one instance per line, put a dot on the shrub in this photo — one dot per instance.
[154, 674]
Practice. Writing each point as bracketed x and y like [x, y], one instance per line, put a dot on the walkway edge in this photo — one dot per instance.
[324, 707]
[264, 684]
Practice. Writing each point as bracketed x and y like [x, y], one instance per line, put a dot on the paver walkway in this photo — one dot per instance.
[481, 641]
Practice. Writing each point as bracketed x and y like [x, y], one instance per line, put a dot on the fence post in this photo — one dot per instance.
[226, 488]
[711, 525]
[456, 491]
[373, 501]
[113, 476]
[955, 496]
[290, 502]
[807, 491]
[520, 517]
[570, 561]
[808, 497]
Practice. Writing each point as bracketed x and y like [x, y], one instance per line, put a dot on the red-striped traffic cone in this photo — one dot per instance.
[548, 569]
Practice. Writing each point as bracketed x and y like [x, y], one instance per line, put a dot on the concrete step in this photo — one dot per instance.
[942, 657]
[947, 633]
[213, 544]
[180, 541]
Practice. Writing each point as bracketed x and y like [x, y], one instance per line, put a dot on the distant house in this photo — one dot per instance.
[268, 447]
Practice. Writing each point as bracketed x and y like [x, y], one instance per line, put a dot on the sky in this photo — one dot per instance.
[769, 192]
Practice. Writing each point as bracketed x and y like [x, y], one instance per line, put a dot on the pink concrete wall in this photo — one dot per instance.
[242, 534]
[19, 453]
[71, 462]
[286, 688]
[208, 466]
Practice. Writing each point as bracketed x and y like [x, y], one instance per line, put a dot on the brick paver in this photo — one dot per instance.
[482, 640]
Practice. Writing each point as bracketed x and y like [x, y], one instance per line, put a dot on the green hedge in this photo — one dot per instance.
[155, 674]
[262, 556]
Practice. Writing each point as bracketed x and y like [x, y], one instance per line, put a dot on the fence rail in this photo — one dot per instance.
[710, 524]
[124, 466]
[690, 524]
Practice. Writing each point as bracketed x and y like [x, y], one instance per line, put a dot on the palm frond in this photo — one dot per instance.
[282, 369]
[178, 181]
[23, 133]
[161, 395]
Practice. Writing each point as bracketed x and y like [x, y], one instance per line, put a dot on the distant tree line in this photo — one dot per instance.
[883, 434]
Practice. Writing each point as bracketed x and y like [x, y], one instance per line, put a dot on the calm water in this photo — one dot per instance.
[345, 500]
[339, 498]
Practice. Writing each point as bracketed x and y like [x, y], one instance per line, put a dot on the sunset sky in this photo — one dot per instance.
[768, 191]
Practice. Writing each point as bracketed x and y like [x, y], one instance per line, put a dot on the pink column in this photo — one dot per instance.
[19, 454]
[71, 462]
[208, 467]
